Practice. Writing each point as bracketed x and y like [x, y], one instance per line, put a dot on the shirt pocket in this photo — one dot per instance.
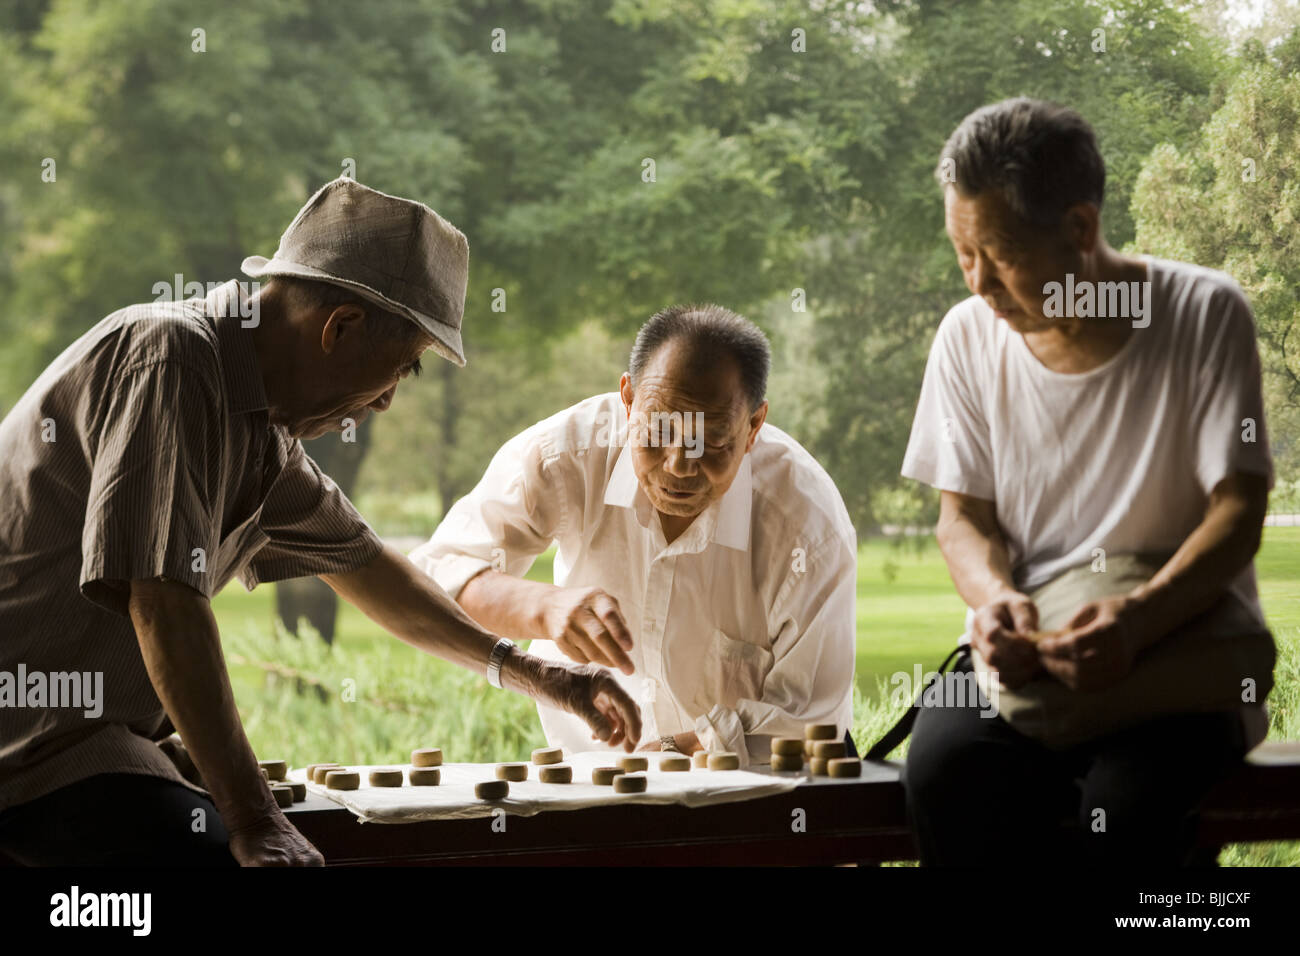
[730, 670]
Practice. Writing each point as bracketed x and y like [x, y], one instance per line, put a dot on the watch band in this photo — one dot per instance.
[669, 744]
[500, 649]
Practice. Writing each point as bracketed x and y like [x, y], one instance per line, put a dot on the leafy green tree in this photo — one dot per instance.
[1230, 199]
[884, 274]
[790, 147]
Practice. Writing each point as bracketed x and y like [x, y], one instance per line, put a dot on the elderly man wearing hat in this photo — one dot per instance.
[157, 458]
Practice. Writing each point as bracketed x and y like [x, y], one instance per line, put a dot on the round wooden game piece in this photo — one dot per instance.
[343, 779]
[556, 773]
[724, 761]
[630, 783]
[512, 771]
[386, 777]
[830, 749]
[819, 766]
[299, 790]
[634, 764]
[275, 769]
[265, 776]
[604, 776]
[548, 755]
[492, 790]
[319, 770]
[820, 731]
[424, 776]
[427, 757]
[283, 795]
[787, 746]
[700, 759]
[845, 767]
[675, 763]
[784, 763]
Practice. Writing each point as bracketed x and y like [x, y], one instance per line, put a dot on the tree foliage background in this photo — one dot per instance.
[793, 147]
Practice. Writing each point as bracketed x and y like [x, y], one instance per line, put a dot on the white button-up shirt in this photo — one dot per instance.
[743, 628]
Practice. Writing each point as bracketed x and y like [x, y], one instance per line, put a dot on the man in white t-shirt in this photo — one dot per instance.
[710, 563]
[1080, 399]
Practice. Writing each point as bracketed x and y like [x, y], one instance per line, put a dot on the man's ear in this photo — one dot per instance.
[625, 392]
[755, 423]
[1082, 225]
[342, 322]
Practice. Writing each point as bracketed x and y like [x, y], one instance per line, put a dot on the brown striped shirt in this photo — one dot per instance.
[143, 451]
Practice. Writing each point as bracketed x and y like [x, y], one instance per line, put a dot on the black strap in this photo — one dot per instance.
[898, 733]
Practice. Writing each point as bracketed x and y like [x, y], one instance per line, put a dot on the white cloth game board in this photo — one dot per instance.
[454, 797]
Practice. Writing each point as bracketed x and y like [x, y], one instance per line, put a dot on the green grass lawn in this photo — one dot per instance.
[370, 698]
[908, 611]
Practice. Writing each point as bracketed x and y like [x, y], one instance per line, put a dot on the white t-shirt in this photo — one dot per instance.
[1122, 457]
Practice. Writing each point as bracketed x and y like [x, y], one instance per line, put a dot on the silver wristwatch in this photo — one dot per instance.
[500, 649]
[669, 744]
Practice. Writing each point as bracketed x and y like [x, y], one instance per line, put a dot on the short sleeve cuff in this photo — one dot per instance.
[106, 582]
[946, 479]
[288, 565]
[1259, 465]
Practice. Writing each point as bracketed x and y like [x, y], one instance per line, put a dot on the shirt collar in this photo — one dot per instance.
[734, 515]
[622, 487]
[226, 306]
[733, 512]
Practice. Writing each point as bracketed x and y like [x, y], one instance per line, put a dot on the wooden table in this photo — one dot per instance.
[842, 821]
[845, 821]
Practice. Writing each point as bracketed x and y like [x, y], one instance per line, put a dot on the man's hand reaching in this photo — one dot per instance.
[587, 690]
[587, 625]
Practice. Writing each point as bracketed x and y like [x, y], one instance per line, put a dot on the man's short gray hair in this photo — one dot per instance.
[709, 331]
[1040, 157]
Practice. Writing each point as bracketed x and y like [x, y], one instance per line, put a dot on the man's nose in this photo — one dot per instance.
[983, 276]
[381, 403]
[677, 462]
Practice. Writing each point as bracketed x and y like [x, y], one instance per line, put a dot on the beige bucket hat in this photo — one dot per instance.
[396, 253]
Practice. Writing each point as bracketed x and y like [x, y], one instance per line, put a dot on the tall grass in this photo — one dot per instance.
[372, 705]
[370, 699]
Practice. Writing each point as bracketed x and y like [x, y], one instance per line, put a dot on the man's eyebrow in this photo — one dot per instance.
[719, 425]
[1002, 236]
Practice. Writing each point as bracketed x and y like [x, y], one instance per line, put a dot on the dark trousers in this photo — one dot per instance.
[980, 793]
[116, 819]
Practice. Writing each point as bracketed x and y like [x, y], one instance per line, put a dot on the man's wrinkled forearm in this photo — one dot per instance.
[409, 604]
[1195, 578]
[977, 559]
[506, 605]
[182, 653]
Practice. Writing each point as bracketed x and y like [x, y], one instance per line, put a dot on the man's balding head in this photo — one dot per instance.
[711, 336]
